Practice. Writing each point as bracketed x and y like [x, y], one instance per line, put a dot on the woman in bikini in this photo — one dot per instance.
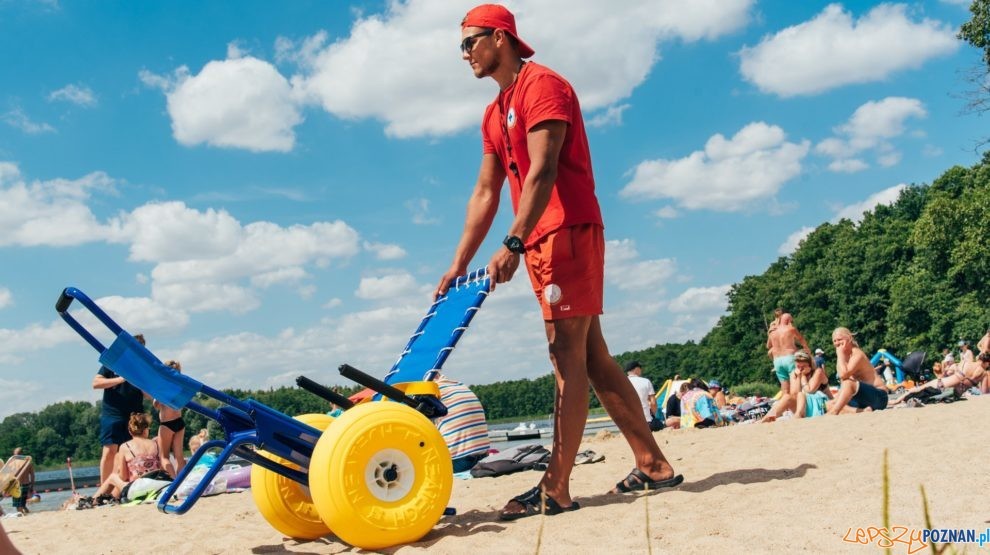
[967, 375]
[137, 458]
[171, 433]
[811, 385]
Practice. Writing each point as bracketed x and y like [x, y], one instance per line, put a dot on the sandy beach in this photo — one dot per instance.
[791, 486]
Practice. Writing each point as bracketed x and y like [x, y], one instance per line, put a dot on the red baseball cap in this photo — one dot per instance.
[495, 16]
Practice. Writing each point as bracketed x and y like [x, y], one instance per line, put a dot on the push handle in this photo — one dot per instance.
[428, 406]
[62, 306]
[64, 300]
[324, 392]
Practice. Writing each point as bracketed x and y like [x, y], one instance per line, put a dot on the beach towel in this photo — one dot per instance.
[522, 457]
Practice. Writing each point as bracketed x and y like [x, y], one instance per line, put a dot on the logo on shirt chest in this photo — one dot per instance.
[510, 118]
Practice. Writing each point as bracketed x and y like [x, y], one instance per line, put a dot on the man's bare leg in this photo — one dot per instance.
[847, 389]
[619, 399]
[107, 461]
[568, 343]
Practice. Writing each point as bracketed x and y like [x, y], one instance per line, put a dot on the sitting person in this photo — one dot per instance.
[937, 369]
[968, 375]
[672, 416]
[171, 432]
[715, 389]
[810, 384]
[197, 441]
[698, 408]
[860, 389]
[136, 459]
[464, 428]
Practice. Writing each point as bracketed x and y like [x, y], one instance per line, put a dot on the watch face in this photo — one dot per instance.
[514, 244]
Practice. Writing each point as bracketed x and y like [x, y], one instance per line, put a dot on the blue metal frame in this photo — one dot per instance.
[250, 426]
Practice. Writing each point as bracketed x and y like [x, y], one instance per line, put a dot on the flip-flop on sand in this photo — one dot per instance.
[637, 480]
[534, 502]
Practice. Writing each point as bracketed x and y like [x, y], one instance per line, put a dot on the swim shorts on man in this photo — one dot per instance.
[783, 366]
[567, 269]
[869, 396]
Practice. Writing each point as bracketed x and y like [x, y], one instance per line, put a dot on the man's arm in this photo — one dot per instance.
[653, 404]
[481, 210]
[101, 382]
[842, 362]
[543, 142]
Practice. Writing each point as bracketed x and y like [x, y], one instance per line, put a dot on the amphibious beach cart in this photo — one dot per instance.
[378, 475]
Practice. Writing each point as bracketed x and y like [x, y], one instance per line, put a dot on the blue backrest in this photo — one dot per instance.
[143, 370]
[440, 329]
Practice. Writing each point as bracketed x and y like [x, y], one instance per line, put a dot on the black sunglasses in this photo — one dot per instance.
[468, 43]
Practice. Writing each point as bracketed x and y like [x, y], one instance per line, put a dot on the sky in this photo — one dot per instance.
[272, 189]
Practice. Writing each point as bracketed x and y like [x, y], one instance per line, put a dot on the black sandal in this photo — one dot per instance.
[637, 480]
[534, 502]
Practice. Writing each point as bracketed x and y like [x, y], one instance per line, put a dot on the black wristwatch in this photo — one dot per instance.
[514, 244]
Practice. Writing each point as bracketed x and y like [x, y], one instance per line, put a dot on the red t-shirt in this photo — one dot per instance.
[537, 95]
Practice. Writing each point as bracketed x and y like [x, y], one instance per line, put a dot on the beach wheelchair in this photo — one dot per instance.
[378, 475]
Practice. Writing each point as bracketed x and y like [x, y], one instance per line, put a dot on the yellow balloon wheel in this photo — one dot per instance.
[284, 503]
[381, 476]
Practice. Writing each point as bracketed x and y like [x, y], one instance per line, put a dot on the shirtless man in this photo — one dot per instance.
[860, 389]
[984, 347]
[782, 343]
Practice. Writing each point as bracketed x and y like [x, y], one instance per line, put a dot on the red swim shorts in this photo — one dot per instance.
[567, 268]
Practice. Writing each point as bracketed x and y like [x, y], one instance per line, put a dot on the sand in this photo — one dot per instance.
[791, 486]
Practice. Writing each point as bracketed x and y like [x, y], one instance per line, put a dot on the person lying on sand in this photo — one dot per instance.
[967, 375]
[860, 389]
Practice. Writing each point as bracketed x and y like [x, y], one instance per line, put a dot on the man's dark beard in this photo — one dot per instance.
[490, 68]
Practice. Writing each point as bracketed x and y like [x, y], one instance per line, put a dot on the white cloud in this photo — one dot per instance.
[848, 165]
[420, 209]
[610, 117]
[283, 275]
[18, 119]
[143, 315]
[667, 212]
[240, 102]
[80, 95]
[728, 175]
[6, 298]
[855, 211]
[433, 93]
[35, 337]
[870, 128]
[625, 270]
[203, 260]
[701, 299]
[385, 251]
[852, 212]
[793, 241]
[832, 50]
[50, 212]
[386, 287]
